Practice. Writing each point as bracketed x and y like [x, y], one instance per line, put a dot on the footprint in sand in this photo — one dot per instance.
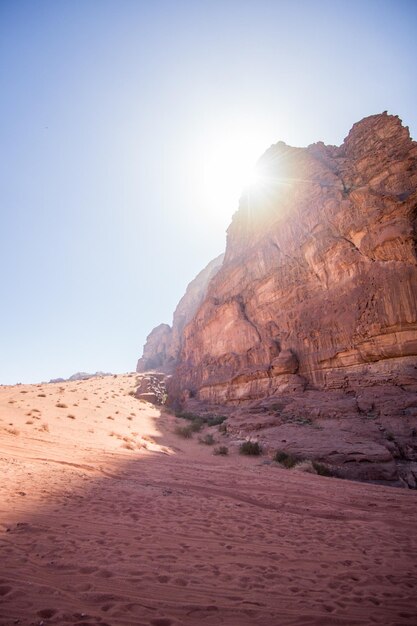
[47, 613]
[104, 573]
[88, 570]
[163, 579]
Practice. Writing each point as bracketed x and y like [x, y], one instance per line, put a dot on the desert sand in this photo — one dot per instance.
[108, 517]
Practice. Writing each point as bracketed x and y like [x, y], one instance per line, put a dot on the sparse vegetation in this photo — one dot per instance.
[305, 466]
[207, 440]
[322, 470]
[221, 451]
[184, 431]
[209, 420]
[216, 420]
[196, 425]
[44, 427]
[250, 448]
[285, 459]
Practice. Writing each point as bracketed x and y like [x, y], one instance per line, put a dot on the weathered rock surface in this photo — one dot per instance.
[163, 344]
[315, 305]
[151, 388]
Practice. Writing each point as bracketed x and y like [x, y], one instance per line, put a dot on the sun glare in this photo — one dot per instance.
[228, 168]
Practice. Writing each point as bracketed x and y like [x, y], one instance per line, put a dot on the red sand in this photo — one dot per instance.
[155, 530]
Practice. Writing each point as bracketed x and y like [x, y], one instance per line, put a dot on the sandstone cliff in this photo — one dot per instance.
[163, 344]
[315, 306]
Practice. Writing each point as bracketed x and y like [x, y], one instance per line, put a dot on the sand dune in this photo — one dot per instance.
[108, 517]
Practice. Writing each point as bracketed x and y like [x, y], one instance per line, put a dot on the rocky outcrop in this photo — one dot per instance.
[316, 300]
[156, 350]
[151, 388]
[164, 343]
[79, 376]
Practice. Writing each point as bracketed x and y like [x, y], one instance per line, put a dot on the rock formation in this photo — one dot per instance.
[163, 344]
[309, 328]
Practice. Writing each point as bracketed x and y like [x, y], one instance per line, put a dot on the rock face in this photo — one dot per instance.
[315, 303]
[164, 343]
[306, 332]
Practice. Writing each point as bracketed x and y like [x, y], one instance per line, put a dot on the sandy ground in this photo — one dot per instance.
[108, 517]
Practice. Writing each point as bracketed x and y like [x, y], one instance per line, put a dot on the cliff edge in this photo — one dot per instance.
[312, 318]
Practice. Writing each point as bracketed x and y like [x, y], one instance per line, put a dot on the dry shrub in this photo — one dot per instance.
[29, 422]
[285, 459]
[41, 395]
[186, 432]
[208, 440]
[71, 416]
[305, 466]
[250, 448]
[44, 427]
[61, 405]
[221, 451]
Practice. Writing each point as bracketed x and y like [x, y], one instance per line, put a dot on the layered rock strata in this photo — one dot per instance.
[316, 303]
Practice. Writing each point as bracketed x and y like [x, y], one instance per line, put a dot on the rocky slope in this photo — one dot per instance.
[308, 332]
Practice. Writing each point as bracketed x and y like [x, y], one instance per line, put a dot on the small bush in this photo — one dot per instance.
[321, 469]
[184, 431]
[223, 428]
[215, 420]
[41, 395]
[250, 448]
[208, 440]
[61, 405]
[305, 466]
[285, 459]
[71, 416]
[44, 427]
[221, 451]
[196, 425]
[210, 420]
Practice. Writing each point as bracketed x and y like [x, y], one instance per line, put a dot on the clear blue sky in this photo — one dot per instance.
[113, 118]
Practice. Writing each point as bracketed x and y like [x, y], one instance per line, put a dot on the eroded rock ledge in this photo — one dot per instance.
[315, 304]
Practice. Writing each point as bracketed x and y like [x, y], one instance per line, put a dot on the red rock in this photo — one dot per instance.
[316, 300]
[163, 344]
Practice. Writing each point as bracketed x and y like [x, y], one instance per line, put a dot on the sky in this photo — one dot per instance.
[127, 130]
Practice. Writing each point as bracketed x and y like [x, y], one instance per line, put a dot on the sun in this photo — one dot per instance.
[228, 169]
